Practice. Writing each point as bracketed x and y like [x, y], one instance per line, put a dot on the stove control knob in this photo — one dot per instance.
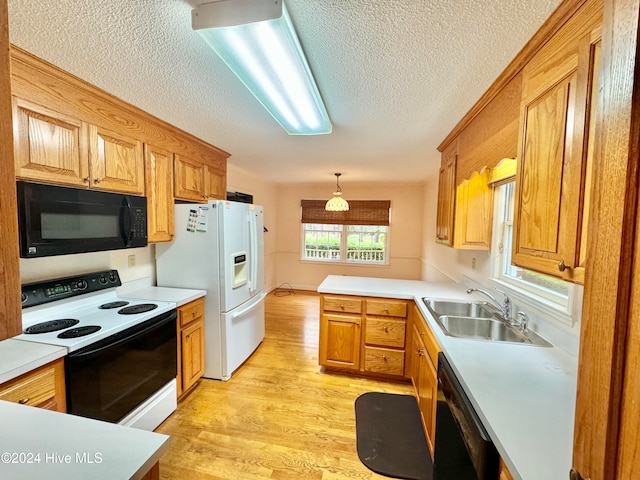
[102, 280]
[113, 278]
[81, 285]
[24, 297]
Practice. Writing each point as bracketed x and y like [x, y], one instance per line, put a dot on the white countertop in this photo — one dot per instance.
[17, 358]
[180, 296]
[38, 443]
[524, 395]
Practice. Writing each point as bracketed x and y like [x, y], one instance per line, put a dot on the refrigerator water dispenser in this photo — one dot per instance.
[239, 269]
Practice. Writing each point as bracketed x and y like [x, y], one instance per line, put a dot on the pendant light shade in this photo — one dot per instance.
[337, 203]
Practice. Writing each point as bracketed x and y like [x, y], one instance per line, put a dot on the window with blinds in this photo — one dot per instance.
[359, 235]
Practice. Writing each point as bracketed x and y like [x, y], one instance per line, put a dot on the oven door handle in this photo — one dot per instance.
[126, 335]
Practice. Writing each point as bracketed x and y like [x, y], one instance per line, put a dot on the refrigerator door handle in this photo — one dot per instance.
[253, 240]
[239, 313]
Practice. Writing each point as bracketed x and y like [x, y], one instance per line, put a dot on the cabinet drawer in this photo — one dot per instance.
[31, 389]
[384, 360]
[343, 304]
[385, 332]
[191, 311]
[388, 308]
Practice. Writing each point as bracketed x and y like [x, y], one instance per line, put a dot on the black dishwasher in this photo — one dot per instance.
[463, 449]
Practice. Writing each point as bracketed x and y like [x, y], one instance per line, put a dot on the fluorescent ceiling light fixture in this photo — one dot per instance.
[256, 39]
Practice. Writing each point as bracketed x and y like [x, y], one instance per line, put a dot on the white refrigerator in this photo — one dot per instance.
[219, 247]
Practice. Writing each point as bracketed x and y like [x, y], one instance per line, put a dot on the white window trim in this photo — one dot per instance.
[540, 301]
[343, 251]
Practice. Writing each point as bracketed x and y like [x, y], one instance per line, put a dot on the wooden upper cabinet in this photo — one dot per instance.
[117, 163]
[215, 183]
[199, 181]
[58, 148]
[189, 178]
[551, 184]
[474, 212]
[159, 188]
[49, 146]
[446, 198]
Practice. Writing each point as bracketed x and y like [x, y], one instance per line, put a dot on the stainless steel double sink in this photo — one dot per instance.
[480, 321]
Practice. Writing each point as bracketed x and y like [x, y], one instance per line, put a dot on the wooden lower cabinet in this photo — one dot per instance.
[361, 334]
[504, 472]
[43, 387]
[424, 372]
[153, 473]
[190, 345]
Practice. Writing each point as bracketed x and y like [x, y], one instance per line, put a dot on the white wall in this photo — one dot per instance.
[405, 233]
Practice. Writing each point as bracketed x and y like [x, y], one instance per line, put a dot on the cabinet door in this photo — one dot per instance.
[49, 146]
[446, 199]
[189, 179]
[215, 183]
[192, 353]
[117, 162]
[552, 186]
[428, 398]
[473, 219]
[340, 341]
[159, 189]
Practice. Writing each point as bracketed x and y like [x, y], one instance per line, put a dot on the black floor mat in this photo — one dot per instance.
[390, 438]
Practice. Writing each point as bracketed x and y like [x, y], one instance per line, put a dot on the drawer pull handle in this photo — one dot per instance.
[384, 357]
[24, 401]
[385, 329]
[342, 307]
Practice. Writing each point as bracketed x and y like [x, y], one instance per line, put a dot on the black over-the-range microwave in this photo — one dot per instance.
[56, 220]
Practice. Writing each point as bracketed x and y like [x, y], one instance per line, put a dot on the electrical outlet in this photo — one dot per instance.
[473, 263]
[132, 260]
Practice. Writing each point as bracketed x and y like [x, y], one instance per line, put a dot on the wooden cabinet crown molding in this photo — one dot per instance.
[558, 18]
[41, 82]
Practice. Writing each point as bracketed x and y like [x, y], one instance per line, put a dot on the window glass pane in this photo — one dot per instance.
[366, 243]
[532, 281]
[322, 242]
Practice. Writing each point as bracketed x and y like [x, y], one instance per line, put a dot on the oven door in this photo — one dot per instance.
[58, 220]
[108, 379]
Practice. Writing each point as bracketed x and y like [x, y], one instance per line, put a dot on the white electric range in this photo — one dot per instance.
[121, 362]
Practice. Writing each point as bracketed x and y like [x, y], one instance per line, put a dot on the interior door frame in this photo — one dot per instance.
[609, 282]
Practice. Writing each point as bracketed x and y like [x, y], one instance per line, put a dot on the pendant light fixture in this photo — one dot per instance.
[337, 203]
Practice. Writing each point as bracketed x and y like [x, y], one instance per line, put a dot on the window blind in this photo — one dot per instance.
[361, 212]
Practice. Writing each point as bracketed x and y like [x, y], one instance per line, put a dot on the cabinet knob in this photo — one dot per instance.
[419, 352]
[561, 266]
[342, 307]
[97, 180]
[385, 329]
[384, 357]
[386, 310]
[574, 475]
[85, 179]
[24, 401]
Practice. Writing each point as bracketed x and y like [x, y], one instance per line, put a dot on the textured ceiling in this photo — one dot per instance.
[396, 75]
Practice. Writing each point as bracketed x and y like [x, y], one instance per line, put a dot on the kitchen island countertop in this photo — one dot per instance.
[525, 395]
[38, 443]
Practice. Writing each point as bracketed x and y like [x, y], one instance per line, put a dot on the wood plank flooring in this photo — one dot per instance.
[279, 417]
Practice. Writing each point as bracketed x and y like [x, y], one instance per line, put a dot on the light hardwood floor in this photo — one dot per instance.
[280, 416]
